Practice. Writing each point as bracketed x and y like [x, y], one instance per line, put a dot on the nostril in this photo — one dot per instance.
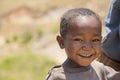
[87, 46]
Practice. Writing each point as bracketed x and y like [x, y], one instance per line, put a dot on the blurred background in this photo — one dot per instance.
[28, 29]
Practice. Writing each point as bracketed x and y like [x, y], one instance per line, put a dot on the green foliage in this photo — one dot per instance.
[25, 67]
[27, 37]
[12, 39]
[15, 38]
[39, 31]
[55, 28]
[7, 40]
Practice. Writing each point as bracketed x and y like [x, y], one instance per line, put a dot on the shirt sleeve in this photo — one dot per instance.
[56, 73]
[49, 76]
[111, 74]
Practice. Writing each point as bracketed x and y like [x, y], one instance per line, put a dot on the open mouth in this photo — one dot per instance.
[85, 55]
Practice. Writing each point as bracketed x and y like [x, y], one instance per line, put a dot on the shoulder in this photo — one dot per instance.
[101, 66]
[103, 70]
[55, 73]
[57, 69]
[97, 64]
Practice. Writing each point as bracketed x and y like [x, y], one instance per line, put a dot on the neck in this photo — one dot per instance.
[72, 64]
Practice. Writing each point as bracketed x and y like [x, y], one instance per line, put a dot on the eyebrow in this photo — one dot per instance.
[82, 34]
[77, 35]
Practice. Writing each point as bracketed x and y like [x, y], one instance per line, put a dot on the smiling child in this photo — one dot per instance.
[80, 36]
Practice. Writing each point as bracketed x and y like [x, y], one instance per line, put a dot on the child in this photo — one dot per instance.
[80, 36]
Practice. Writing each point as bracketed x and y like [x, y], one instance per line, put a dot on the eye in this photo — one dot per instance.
[78, 39]
[96, 40]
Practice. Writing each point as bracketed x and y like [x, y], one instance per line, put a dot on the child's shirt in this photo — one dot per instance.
[96, 71]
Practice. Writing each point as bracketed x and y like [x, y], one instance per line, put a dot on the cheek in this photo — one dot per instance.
[75, 45]
[72, 47]
[97, 48]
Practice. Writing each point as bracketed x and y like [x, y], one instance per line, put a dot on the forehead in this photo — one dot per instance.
[85, 24]
[87, 21]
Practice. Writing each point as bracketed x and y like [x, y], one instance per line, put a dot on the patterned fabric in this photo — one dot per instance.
[96, 71]
[111, 46]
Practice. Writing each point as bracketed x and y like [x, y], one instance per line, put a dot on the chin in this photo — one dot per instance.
[84, 64]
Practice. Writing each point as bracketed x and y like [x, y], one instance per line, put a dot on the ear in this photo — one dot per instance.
[60, 41]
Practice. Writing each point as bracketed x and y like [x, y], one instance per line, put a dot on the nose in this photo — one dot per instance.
[87, 46]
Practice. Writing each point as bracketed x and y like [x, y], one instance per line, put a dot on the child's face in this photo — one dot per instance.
[82, 42]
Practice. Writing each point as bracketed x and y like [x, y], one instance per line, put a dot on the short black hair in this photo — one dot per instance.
[72, 13]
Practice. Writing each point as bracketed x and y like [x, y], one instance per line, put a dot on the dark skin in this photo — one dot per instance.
[82, 41]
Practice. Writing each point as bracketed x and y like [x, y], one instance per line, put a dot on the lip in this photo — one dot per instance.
[86, 55]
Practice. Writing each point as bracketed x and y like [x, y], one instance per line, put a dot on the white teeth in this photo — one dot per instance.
[85, 55]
